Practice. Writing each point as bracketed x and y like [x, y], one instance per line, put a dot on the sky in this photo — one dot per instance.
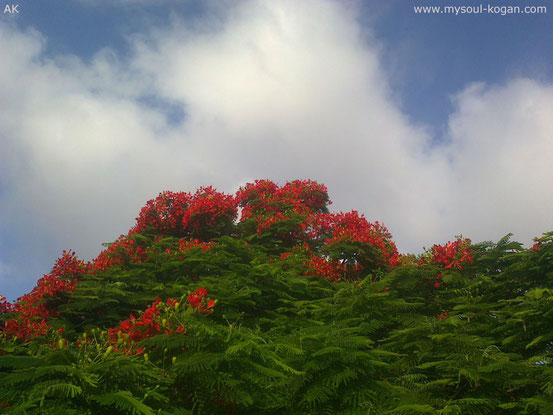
[433, 124]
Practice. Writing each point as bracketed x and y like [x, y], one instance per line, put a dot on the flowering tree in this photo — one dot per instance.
[264, 302]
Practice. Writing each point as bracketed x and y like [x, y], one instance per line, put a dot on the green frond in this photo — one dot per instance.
[411, 409]
[124, 401]
[63, 389]
[198, 362]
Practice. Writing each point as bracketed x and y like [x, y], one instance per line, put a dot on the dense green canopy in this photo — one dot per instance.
[288, 309]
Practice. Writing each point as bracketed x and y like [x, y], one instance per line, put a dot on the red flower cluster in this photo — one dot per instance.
[69, 267]
[438, 278]
[210, 213]
[268, 205]
[203, 215]
[252, 195]
[186, 245]
[351, 245]
[122, 251]
[452, 255]
[285, 255]
[444, 315]
[352, 227]
[297, 213]
[5, 305]
[149, 324]
[310, 193]
[164, 213]
[437, 283]
[536, 246]
[25, 328]
[264, 195]
[200, 302]
[331, 269]
[32, 310]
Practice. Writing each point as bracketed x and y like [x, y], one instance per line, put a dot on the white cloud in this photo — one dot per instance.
[501, 151]
[286, 90]
[79, 154]
[276, 89]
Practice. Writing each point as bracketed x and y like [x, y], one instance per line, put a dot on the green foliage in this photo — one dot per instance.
[417, 338]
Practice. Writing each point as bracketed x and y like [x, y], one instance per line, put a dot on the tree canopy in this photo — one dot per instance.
[264, 302]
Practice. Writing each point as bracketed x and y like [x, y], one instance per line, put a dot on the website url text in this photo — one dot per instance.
[480, 9]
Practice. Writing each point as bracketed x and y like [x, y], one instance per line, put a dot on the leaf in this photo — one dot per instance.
[125, 401]
[327, 350]
[535, 341]
[67, 390]
[411, 409]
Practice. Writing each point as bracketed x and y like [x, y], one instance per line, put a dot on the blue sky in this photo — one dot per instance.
[433, 124]
[429, 56]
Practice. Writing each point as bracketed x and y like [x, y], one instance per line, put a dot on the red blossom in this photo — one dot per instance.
[444, 315]
[351, 245]
[137, 329]
[285, 255]
[164, 213]
[31, 311]
[295, 204]
[5, 305]
[199, 301]
[152, 322]
[450, 255]
[123, 250]
[210, 214]
[331, 269]
[186, 245]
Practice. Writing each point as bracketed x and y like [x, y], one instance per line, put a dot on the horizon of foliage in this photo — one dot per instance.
[264, 302]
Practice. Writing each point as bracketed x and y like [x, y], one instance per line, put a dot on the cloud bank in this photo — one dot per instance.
[277, 90]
